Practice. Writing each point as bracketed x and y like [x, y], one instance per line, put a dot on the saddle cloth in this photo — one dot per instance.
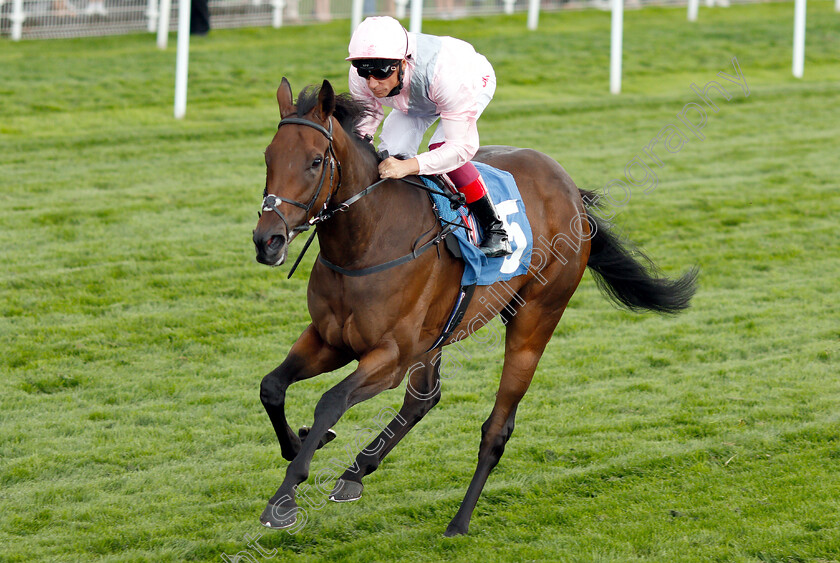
[478, 268]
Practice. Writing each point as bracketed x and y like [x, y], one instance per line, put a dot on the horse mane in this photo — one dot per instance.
[348, 111]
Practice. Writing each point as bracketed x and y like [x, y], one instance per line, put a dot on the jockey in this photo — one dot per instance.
[423, 78]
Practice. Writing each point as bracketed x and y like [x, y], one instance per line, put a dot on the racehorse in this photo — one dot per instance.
[319, 172]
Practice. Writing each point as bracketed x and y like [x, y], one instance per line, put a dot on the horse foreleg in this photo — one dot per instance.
[421, 394]
[309, 356]
[378, 370]
[527, 336]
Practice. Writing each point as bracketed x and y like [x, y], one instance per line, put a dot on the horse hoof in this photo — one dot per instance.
[278, 517]
[346, 491]
[328, 437]
[453, 530]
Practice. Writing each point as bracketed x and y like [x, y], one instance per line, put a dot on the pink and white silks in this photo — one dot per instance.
[445, 79]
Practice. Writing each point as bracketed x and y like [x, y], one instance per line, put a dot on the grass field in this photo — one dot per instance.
[136, 325]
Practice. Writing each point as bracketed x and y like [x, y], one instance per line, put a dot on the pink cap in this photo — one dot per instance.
[379, 37]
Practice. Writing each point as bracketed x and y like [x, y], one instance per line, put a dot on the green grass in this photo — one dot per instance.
[136, 324]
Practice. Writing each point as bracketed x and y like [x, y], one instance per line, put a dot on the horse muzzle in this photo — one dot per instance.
[272, 249]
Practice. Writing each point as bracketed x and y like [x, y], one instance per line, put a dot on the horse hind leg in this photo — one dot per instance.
[526, 337]
[309, 356]
[422, 392]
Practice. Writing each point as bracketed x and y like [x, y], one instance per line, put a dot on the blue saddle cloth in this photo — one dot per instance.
[505, 195]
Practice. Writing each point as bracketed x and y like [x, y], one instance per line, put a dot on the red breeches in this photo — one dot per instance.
[467, 179]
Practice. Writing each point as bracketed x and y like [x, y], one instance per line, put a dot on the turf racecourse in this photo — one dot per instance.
[137, 326]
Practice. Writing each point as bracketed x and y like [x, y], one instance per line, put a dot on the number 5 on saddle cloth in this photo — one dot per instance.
[505, 194]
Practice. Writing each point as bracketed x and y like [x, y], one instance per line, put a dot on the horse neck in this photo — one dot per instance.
[353, 235]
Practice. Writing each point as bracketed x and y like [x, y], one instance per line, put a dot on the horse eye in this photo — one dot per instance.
[317, 162]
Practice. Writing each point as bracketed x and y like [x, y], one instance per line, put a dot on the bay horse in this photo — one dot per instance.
[389, 321]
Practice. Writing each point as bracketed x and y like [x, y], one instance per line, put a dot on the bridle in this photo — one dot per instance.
[270, 204]
[270, 200]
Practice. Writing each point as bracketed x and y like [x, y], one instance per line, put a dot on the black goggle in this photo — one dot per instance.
[377, 73]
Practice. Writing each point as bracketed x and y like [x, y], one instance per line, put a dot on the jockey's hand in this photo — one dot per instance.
[394, 168]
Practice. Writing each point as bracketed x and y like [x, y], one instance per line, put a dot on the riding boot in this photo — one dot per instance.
[495, 241]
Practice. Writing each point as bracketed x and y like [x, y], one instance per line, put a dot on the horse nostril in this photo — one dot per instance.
[275, 242]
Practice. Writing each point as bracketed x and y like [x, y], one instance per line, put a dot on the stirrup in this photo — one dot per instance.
[495, 243]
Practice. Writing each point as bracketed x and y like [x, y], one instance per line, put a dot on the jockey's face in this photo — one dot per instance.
[382, 87]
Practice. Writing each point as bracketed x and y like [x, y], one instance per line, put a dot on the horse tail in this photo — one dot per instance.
[628, 277]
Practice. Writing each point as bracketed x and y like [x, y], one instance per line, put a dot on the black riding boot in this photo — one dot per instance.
[495, 242]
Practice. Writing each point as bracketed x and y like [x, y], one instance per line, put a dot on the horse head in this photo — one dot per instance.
[300, 172]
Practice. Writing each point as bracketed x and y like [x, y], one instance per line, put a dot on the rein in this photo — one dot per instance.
[270, 203]
[391, 263]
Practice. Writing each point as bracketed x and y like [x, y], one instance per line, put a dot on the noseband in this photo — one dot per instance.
[270, 201]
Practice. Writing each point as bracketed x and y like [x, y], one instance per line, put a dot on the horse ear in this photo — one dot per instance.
[284, 98]
[326, 100]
